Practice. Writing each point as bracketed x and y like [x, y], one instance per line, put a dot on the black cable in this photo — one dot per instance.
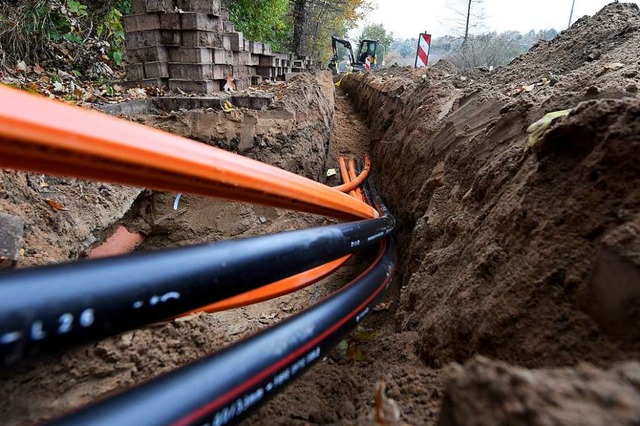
[51, 307]
[225, 387]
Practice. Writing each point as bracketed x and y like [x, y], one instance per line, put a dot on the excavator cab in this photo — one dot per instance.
[367, 50]
[366, 54]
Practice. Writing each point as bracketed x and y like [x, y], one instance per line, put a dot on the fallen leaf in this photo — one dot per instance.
[56, 205]
[354, 353]
[539, 127]
[58, 87]
[342, 347]
[21, 67]
[38, 69]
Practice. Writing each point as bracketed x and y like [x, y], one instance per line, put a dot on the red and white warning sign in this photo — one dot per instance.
[424, 45]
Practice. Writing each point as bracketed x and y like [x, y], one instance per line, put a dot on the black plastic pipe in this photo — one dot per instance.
[51, 307]
[225, 387]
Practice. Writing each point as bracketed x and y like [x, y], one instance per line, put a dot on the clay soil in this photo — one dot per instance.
[516, 300]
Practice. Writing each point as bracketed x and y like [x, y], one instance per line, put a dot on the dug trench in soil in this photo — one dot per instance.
[527, 255]
[293, 133]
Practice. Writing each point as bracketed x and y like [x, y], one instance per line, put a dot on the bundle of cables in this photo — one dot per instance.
[54, 307]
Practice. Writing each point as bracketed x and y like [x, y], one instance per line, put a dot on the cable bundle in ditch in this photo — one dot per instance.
[55, 307]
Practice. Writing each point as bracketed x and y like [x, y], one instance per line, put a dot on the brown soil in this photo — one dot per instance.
[500, 243]
[490, 392]
[58, 226]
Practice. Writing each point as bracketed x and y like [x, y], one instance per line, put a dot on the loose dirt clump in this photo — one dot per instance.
[58, 226]
[489, 392]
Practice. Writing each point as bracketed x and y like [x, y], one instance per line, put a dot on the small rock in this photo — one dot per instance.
[11, 233]
[592, 91]
[594, 55]
[631, 74]
[262, 219]
[632, 88]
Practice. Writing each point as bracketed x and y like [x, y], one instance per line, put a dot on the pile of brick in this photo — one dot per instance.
[190, 45]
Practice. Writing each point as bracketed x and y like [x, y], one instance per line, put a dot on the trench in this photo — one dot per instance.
[308, 141]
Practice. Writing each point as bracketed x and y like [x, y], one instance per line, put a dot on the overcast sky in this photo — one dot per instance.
[407, 18]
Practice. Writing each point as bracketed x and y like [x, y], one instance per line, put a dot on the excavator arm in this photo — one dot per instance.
[333, 64]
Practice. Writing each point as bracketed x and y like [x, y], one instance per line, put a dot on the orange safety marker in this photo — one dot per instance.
[42, 135]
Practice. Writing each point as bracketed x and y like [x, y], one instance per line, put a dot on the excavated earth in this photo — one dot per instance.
[518, 294]
[526, 255]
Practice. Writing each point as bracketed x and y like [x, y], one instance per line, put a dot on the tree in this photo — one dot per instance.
[322, 19]
[263, 20]
[299, 18]
[466, 15]
[404, 47]
[378, 32]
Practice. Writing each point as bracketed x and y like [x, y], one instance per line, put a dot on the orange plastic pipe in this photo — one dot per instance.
[344, 174]
[47, 136]
[351, 168]
[347, 187]
[276, 289]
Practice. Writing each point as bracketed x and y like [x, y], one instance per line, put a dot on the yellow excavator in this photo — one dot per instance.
[366, 57]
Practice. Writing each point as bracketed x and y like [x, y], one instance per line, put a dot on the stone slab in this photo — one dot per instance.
[11, 239]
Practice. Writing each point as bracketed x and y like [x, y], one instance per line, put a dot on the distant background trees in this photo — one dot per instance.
[488, 49]
[302, 26]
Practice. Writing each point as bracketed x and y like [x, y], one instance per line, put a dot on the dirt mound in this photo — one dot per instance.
[527, 256]
[488, 392]
[57, 224]
[590, 39]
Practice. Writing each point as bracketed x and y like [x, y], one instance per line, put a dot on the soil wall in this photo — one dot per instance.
[524, 254]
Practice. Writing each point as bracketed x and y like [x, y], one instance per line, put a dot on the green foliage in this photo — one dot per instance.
[262, 20]
[28, 29]
[406, 48]
[325, 18]
[112, 30]
[378, 32]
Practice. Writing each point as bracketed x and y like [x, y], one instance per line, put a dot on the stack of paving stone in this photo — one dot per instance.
[190, 45]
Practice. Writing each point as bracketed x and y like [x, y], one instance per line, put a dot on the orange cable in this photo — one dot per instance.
[286, 285]
[356, 192]
[276, 289]
[47, 136]
[347, 187]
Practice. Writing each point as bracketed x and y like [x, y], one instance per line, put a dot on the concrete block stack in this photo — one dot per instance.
[190, 45]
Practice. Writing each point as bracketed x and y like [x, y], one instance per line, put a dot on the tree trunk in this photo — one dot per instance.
[299, 15]
[466, 29]
[573, 4]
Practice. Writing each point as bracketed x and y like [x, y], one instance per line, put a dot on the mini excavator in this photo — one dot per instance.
[366, 57]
